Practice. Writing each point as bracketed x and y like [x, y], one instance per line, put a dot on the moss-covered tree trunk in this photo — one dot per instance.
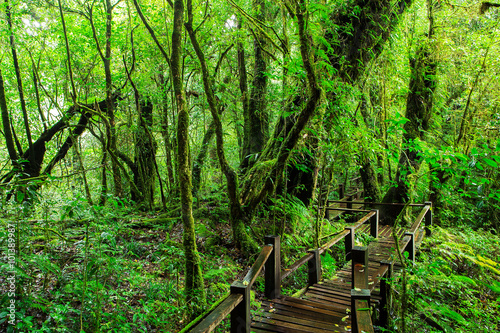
[166, 132]
[418, 112]
[238, 216]
[350, 50]
[367, 169]
[110, 107]
[256, 117]
[194, 279]
[145, 154]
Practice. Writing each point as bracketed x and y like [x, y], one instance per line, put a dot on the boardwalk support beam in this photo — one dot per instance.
[272, 288]
[240, 316]
[314, 267]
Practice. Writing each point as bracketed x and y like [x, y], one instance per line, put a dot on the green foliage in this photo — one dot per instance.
[454, 283]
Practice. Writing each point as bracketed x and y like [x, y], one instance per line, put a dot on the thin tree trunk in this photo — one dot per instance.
[19, 82]
[9, 140]
[106, 60]
[194, 279]
[166, 132]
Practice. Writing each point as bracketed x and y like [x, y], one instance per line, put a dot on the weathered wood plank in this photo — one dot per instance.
[333, 311]
[287, 319]
[300, 313]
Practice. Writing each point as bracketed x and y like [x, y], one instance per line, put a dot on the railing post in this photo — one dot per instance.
[428, 219]
[314, 267]
[410, 247]
[349, 201]
[352, 216]
[349, 243]
[272, 288]
[359, 255]
[374, 224]
[341, 191]
[240, 316]
[359, 289]
[385, 294]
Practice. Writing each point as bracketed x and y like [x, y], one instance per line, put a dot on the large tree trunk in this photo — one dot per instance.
[351, 49]
[145, 154]
[256, 127]
[418, 113]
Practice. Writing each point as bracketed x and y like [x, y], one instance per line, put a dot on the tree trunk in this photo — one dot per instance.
[418, 113]
[256, 126]
[367, 170]
[145, 154]
[194, 279]
[166, 133]
[349, 52]
[110, 113]
[9, 140]
[241, 237]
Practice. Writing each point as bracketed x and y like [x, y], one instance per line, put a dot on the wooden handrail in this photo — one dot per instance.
[238, 302]
[333, 241]
[296, 265]
[420, 218]
[218, 314]
[353, 210]
[384, 268]
[378, 203]
[258, 265]
[286, 272]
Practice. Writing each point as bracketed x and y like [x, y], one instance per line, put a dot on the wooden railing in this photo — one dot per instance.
[348, 235]
[237, 304]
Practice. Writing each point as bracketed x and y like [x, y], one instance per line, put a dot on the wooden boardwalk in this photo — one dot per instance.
[326, 305]
[356, 297]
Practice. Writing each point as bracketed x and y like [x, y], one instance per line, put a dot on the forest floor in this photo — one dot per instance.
[125, 274]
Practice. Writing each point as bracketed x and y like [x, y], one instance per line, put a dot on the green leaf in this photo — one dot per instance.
[445, 311]
[490, 162]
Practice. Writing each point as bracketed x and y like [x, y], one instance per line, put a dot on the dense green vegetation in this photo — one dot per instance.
[149, 146]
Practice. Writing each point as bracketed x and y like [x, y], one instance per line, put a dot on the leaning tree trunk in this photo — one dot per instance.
[238, 217]
[349, 51]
